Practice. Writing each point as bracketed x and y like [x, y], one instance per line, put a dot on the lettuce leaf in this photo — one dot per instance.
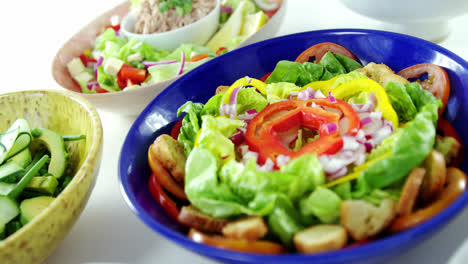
[280, 90]
[190, 124]
[249, 98]
[322, 203]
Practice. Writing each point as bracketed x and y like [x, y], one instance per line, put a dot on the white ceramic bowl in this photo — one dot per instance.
[198, 32]
[129, 102]
[427, 19]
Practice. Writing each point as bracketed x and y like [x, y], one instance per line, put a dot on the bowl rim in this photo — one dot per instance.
[375, 248]
[131, 14]
[95, 150]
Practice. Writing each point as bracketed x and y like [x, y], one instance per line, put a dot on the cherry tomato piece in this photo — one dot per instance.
[243, 245]
[437, 81]
[161, 197]
[317, 51]
[176, 129]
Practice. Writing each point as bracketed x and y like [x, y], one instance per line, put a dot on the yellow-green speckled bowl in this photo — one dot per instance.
[67, 114]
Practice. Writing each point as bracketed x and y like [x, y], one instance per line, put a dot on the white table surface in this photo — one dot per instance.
[107, 231]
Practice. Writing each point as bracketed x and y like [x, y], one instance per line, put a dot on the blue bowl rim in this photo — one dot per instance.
[375, 248]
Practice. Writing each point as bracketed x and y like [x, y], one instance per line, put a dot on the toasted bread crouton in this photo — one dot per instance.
[320, 238]
[434, 180]
[410, 191]
[192, 217]
[221, 89]
[363, 220]
[171, 155]
[250, 228]
[381, 73]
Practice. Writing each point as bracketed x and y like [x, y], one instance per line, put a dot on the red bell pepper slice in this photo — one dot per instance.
[133, 74]
[85, 59]
[265, 129]
[156, 190]
[176, 129]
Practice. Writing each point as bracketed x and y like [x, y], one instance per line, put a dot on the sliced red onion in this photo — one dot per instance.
[249, 80]
[91, 84]
[95, 72]
[247, 115]
[303, 95]
[100, 60]
[293, 94]
[91, 65]
[331, 128]
[319, 94]
[237, 138]
[252, 111]
[267, 167]
[365, 121]
[376, 115]
[311, 92]
[233, 97]
[225, 9]
[229, 110]
[182, 63]
[338, 174]
[368, 146]
[331, 98]
[349, 143]
[154, 63]
[282, 160]
[249, 155]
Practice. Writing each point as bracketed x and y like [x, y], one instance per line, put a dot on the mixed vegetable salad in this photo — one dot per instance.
[320, 154]
[116, 63]
[34, 169]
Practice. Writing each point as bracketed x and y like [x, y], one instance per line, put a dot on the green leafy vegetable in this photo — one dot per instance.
[322, 203]
[190, 124]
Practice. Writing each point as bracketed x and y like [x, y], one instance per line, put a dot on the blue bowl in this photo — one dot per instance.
[395, 50]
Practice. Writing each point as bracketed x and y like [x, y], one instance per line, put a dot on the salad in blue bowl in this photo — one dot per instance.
[318, 147]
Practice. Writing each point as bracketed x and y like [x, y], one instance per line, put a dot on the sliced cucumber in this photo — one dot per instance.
[24, 158]
[10, 171]
[30, 208]
[6, 188]
[15, 139]
[8, 211]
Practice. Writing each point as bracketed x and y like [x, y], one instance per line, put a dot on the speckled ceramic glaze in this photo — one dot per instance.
[67, 114]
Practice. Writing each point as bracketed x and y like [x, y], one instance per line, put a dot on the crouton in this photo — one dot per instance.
[192, 217]
[434, 180]
[320, 238]
[363, 220]
[250, 228]
[171, 155]
[410, 191]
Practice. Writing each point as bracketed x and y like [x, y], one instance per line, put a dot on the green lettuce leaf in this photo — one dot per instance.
[163, 72]
[332, 66]
[322, 203]
[147, 52]
[249, 98]
[108, 36]
[280, 90]
[215, 133]
[190, 124]
[419, 137]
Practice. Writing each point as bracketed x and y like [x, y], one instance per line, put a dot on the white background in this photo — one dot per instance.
[107, 231]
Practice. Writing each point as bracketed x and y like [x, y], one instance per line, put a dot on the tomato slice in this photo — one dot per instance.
[243, 245]
[263, 79]
[163, 177]
[437, 82]
[161, 197]
[176, 129]
[456, 185]
[85, 59]
[99, 89]
[317, 51]
[133, 74]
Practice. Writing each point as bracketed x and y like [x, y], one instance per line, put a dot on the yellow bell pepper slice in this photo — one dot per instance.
[246, 81]
[321, 85]
[356, 86]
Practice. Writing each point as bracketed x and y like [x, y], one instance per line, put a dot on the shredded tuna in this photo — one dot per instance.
[151, 20]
